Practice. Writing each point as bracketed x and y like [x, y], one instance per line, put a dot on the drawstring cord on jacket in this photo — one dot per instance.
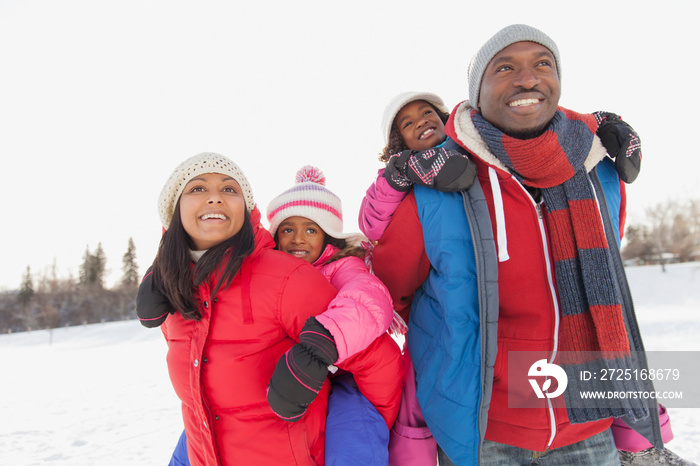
[501, 237]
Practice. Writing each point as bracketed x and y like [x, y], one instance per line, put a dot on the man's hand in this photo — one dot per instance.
[622, 143]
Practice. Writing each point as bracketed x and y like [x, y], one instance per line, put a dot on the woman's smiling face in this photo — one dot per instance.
[212, 209]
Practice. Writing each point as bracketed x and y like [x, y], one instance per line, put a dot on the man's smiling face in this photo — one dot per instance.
[520, 90]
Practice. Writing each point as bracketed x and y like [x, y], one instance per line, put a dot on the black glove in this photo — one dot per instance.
[445, 169]
[152, 306]
[301, 371]
[622, 143]
[394, 171]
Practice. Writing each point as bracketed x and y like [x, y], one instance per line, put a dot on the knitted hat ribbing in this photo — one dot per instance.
[400, 101]
[206, 162]
[507, 36]
[309, 198]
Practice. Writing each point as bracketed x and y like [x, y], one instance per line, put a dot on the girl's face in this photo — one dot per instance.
[301, 238]
[212, 209]
[420, 125]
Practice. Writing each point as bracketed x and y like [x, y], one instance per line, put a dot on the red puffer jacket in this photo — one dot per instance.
[221, 365]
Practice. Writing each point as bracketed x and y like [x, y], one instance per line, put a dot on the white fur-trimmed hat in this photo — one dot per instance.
[309, 198]
[400, 101]
[507, 36]
[206, 162]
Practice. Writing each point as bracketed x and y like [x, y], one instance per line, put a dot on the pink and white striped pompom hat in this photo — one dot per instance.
[309, 198]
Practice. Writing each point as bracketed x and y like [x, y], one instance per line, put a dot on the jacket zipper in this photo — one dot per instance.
[482, 324]
[555, 302]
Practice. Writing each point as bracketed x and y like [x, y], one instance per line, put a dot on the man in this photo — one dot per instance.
[525, 261]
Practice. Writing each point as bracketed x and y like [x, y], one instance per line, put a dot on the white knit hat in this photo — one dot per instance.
[309, 198]
[400, 101]
[509, 35]
[206, 162]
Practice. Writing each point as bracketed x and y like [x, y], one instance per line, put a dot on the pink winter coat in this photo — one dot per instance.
[378, 206]
[361, 311]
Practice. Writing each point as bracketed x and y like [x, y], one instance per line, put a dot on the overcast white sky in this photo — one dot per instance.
[100, 100]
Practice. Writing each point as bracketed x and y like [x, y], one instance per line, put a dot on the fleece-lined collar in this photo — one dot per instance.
[469, 136]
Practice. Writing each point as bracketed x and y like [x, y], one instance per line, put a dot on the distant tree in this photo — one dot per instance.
[661, 218]
[8, 313]
[28, 314]
[130, 269]
[682, 241]
[85, 267]
[639, 245]
[49, 282]
[26, 291]
[669, 227]
[92, 270]
[100, 264]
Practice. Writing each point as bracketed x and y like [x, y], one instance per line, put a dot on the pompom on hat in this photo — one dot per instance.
[309, 198]
[400, 101]
[206, 162]
[507, 36]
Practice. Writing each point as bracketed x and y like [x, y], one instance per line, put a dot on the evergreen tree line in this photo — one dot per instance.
[670, 232]
[51, 301]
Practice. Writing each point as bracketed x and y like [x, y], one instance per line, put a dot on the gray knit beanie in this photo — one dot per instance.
[507, 36]
[206, 162]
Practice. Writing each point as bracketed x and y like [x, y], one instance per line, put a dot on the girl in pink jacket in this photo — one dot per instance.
[306, 222]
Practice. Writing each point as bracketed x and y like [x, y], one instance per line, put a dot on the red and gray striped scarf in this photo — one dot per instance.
[587, 289]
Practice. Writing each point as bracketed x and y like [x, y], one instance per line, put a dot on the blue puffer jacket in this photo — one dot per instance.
[463, 353]
[455, 333]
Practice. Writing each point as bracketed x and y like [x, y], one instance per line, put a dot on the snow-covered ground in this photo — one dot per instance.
[100, 394]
